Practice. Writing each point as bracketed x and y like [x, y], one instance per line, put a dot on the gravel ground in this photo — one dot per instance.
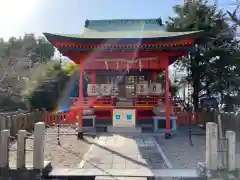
[180, 153]
[71, 151]
[68, 155]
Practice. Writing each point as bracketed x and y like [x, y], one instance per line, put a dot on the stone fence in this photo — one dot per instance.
[210, 168]
[38, 149]
[220, 159]
[20, 120]
[229, 121]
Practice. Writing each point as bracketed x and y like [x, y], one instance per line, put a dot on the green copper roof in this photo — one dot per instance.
[128, 28]
[123, 25]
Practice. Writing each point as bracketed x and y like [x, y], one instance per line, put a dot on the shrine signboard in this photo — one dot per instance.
[106, 89]
[93, 90]
[124, 117]
[142, 89]
[155, 89]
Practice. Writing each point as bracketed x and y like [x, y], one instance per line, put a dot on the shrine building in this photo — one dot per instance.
[123, 59]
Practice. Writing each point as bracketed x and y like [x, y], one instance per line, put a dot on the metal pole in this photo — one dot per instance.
[59, 115]
[167, 104]
[189, 109]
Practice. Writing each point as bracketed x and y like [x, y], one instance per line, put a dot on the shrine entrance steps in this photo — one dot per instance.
[128, 157]
[124, 130]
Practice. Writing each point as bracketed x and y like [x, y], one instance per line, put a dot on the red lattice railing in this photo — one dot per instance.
[104, 100]
[67, 118]
[186, 118]
[146, 100]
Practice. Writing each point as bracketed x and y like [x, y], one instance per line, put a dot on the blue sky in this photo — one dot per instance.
[68, 16]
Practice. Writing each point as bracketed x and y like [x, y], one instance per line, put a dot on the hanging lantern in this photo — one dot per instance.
[117, 65]
[106, 64]
[127, 68]
[140, 65]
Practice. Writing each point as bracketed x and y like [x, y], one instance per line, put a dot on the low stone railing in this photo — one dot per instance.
[38, 147]
[220, 152]
[211, 166]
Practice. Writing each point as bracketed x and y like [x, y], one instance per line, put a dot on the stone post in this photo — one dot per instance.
[2, 122]
[15, 126]
[9, 123]
[38, 147]
[20, 122]
[30, 121]
[4, 150]
[222, 145]
[21, 142]
[211, 146]
[231, 137]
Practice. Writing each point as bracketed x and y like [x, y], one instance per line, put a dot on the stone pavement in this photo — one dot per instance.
[123, 152]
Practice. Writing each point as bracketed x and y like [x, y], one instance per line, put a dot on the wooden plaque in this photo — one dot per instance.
[106, 89]
[93, 90]
[142, 89]
[155, 89]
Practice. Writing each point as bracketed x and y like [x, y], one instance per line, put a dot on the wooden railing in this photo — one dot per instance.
[186, 118]
[146, 100]
[104, 100]
[23, 120]
[63, 118]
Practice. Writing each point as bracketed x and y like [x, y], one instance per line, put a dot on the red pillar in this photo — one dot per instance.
[93, 77]
[167, 101]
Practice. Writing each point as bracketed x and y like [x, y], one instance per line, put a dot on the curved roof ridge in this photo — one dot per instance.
[121, 21]
[123, 25]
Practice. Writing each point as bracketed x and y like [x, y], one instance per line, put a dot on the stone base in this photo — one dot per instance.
[101, 128]
[161, 120]
[128, 173]
[119, 178]
[112, 129]
[27, 173]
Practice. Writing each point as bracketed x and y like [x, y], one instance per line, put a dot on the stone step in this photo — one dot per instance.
[124, 103]
[119, 178]
[124, 129]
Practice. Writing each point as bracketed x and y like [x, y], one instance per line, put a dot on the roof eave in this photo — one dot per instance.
[66, 50]
[54, 37]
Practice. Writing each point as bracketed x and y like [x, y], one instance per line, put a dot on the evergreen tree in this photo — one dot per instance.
[209, 63]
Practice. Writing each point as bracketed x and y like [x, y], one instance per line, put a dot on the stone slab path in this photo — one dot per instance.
[123, 152]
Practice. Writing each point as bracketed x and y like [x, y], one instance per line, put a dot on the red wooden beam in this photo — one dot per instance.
[189, 41]
[90, 64]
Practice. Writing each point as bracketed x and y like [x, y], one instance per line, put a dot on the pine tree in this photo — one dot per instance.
[209, 62]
